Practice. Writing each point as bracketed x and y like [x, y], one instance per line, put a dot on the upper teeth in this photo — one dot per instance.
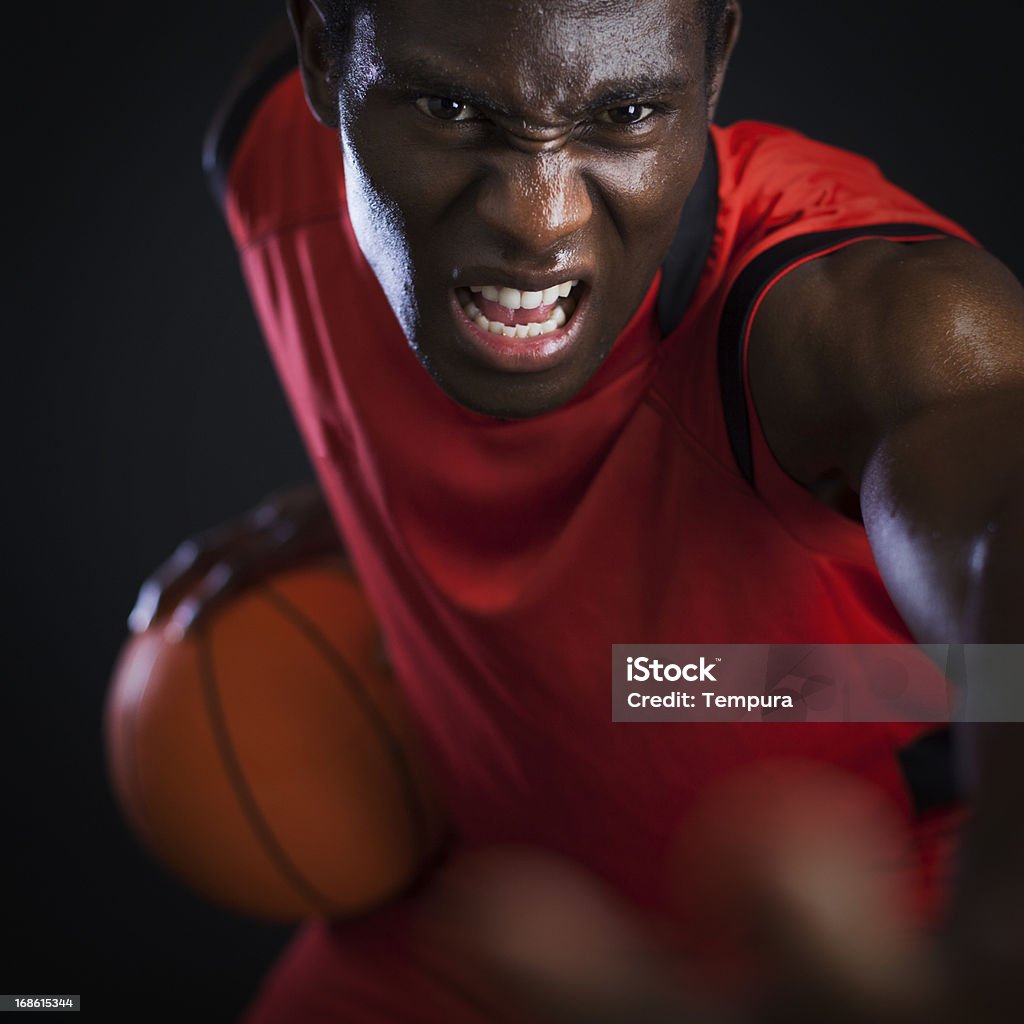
[513, 298]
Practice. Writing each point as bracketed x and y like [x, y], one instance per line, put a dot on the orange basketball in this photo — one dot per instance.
[269, 761]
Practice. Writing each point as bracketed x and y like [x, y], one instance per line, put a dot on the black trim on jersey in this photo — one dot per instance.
[690, 248]
[739, 308]
[929, 770]
[272, 59]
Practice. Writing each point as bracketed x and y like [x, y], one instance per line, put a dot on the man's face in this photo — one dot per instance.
[515, 172]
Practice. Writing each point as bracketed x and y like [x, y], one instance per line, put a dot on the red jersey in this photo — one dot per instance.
[504, 558]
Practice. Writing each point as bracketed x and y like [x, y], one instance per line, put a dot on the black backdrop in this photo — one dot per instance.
[142, 406]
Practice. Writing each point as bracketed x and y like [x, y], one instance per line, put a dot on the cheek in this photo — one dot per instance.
[645, 198]
[380, 230]
[648, 186]
[655, 183]
[646, 189]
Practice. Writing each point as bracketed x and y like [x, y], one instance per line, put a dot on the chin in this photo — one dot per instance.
[504, 395]
[509, 377]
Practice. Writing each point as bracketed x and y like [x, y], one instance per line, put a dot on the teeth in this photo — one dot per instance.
[557, 320]
[513, 298]
[510, 298]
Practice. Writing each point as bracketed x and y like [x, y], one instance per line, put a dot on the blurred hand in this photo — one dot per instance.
[790, 877]
[286, 529]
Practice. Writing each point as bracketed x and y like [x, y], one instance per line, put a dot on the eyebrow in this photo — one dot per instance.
[424, 76]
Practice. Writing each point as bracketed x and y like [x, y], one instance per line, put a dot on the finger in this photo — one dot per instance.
[296, 524]
[268, 512]
[159, 589]
[293, 504]
[175, 579]
[251, 559]
[286, 529]
[803, 872]
[220, 583]
[557, 942]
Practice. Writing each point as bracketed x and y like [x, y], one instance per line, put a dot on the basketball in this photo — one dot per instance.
[268, 760]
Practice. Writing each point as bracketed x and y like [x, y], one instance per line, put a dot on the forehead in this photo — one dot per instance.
[532, 54]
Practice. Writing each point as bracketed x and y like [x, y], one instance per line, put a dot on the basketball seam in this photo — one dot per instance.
[390, 742]
[236, 777]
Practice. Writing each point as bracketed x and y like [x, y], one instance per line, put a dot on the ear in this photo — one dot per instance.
[307, 22]
[733, 20]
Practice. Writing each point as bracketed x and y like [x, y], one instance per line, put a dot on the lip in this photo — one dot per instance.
[523, 281]
[521, 355]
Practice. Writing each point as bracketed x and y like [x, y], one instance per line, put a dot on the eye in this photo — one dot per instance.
[444, 109]
[631, 113]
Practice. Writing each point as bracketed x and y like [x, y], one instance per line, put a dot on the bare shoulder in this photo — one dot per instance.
[851, 345]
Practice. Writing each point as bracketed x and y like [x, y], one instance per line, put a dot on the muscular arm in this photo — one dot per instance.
[902, 371]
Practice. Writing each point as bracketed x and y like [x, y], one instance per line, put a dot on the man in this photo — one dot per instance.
[572, 371]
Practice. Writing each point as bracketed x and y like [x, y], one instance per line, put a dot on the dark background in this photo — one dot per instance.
[142, 407]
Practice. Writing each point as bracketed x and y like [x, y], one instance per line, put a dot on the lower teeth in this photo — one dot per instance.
[564, 308]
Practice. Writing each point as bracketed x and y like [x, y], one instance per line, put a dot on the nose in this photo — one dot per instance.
[535, 198]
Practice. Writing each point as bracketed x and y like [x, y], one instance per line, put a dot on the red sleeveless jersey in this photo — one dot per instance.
[505, 558]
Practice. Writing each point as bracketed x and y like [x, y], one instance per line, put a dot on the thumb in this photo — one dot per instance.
[559, 942]
[805, 876]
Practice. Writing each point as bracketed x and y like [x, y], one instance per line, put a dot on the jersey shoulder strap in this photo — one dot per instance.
[745, 297]
[776, 199]
[690, 248]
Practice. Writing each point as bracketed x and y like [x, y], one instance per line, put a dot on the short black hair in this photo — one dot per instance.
[714, 18]
[338, 15]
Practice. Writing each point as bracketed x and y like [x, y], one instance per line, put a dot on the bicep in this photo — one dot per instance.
[850, 346]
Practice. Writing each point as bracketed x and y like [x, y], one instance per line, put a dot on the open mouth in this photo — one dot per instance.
[513, 313]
